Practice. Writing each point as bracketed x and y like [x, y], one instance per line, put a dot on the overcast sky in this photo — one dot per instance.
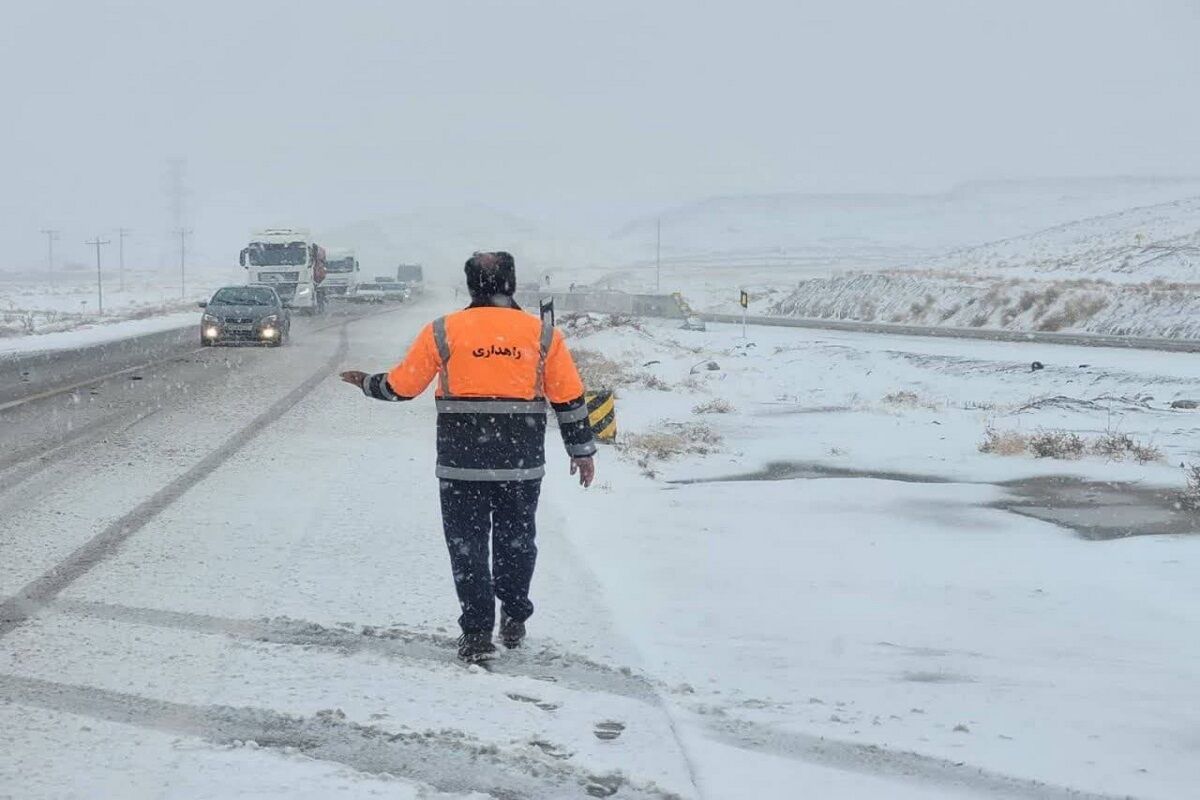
[585, 114]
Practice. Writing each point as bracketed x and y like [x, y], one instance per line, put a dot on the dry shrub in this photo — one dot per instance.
[715, 406]
[1057, 444]
[1068, 446]
[1074, 311]
[584, 323]
[672, 439]
[907, 399]
[1189, 498]
[601, 372]
[1120, 446]
[653, 382]
[1004, 443]
[902, 398]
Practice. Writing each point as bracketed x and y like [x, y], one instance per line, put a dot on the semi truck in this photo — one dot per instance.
[412, 276]
[344, 274]
[291, 263]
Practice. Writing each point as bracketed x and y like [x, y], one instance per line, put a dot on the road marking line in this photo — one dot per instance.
[33, 596]
[98, 379]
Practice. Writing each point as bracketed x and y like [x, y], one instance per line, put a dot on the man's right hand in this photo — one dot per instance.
[354, 377]
[586, 468]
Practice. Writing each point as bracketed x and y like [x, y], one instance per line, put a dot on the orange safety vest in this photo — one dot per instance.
[497, 368]
[489, 352]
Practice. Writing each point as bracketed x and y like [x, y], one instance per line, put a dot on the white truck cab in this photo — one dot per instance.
[343, 273]
[287, 260]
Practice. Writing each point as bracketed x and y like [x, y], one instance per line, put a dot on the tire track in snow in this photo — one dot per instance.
[447, 760]
[564, 669]
[36, 594]
[585, 675]
[883, 762]
[38, 457]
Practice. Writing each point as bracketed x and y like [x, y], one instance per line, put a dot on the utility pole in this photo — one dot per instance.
[51, 237]
[121, 234]
[99, 279]
[183, 233]
[658, 258]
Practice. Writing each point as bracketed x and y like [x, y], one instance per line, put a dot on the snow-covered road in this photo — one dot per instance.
[234, 584]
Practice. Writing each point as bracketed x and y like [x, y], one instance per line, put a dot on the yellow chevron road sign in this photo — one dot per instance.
[602, 415]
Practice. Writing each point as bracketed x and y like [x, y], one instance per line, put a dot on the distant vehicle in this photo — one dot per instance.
[343, 273]
[381, 290]
[245, 314]
[288, 260]
[412, 275]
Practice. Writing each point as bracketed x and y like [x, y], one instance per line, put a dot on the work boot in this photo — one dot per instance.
[473, 647]
[512, 633]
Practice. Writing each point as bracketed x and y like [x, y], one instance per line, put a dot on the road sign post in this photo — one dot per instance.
[744, 302]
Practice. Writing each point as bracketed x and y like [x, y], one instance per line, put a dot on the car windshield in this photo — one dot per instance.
[272, 254]
[243, 296]
[340, 265]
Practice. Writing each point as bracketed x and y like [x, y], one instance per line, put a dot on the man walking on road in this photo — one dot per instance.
[497, 368]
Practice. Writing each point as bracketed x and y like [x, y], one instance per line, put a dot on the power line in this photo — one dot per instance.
[51, 238]
[99, 278]
[121, 234]
[658, 258]
[183, 233]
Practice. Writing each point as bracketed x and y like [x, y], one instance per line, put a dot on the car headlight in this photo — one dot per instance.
[209, 319]
[269, 321]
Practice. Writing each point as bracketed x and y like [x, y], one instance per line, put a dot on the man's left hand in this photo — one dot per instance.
[586, 468]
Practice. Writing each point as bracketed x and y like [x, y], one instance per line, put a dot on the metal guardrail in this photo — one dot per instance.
[674, 307]
[30, 373]
[986, 334]
[636, 305]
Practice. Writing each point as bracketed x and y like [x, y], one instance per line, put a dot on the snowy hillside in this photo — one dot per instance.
[881, 230]
[982, 301]
[1160, 241]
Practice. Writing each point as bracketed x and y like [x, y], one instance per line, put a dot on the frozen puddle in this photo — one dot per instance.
[1099, 510]
[1095, 510]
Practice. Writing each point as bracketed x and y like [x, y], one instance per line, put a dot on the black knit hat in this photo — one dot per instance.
[490, 274]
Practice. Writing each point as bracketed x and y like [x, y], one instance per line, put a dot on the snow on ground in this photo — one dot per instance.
[967, 300]
[1132, 272]
[87, 334]
[900, 613]
[1113, 258]
[1160, 241]
[68, 301]
[286, 624]
[880, 230]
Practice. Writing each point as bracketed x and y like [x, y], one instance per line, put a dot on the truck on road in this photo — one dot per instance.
[412, 276]
[344, 275]
[291, 263]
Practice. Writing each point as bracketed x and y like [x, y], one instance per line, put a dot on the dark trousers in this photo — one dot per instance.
[503, 511]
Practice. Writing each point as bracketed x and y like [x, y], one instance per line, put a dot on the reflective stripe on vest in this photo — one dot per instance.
[466, 474]
[581, 450]
[574, 415]
[539, 388]
[544, 342]
[468, 406]
[443, 348]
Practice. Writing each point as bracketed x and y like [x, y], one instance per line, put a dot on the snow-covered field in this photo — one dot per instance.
[1113, 257]
[866, 618]
[33, 304]
[1116, 255]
